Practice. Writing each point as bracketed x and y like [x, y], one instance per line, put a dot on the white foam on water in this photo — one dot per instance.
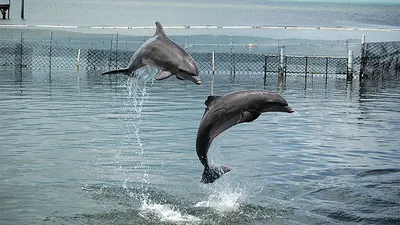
[166, 213]
[223, 199]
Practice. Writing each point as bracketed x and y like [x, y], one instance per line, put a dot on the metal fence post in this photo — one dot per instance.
[306, 67]
[281, 61]
[350, 66]
[51, 48]
[326, 66]
[305, 72]
[265, 69]
[116, 52]
[326, 70]
[110, 59]
[363, 58]
[21, 52]
[281, 69]
[233, 67]
[212, 72]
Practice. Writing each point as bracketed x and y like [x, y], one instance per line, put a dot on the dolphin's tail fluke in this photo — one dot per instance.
[124, 71]
[211, 173]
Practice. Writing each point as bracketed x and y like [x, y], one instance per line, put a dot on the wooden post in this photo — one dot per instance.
[281, 61]
[5, 9]
[350, 66]
[233, 69]
[78, 58]
[362, 63]
[212, 72]
[22, 9]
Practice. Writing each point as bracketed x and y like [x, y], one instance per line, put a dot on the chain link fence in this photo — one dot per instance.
[239, 57]
[382, 60]
[304, 65]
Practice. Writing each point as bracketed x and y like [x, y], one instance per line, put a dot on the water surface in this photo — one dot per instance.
[80, 148]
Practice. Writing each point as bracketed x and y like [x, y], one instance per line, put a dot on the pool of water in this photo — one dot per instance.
[80, 148]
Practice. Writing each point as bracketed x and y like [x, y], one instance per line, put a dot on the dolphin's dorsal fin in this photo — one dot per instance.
[211, 99]
[209, 102]
[159, 30]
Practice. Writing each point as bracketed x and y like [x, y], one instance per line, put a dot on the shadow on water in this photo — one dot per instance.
[20, 77]
[377, 172]
[369, 198]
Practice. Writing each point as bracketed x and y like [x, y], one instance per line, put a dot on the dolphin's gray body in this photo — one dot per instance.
[164, 54]
[224, 112]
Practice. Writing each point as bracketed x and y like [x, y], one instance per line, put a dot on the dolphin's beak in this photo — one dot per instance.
[196, 80]
[186, 76]
[288, 109]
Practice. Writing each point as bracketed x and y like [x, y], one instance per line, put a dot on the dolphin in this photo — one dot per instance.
[164, 54]
[224, 112]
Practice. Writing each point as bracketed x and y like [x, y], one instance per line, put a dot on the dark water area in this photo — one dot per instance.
[80, 148]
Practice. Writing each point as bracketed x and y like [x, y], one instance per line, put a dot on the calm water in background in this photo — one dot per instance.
[312, 13]
[90, 149]
[332, 13]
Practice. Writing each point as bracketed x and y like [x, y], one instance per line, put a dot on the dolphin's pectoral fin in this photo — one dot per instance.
[163, 74]
[222, 122]
[248, 117]
[211, 173]
[123, 71]
[180, 78]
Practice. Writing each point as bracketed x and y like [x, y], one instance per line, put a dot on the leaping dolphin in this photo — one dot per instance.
[164, 54]
[224, 112]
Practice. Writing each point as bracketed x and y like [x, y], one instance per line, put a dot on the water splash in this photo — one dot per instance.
[166, 213]
[223, 198]
[137, 94]
[133, 98]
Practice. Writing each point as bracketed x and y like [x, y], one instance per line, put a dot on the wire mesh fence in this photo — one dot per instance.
[382, 60]
[237, 56]
[314, 65]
